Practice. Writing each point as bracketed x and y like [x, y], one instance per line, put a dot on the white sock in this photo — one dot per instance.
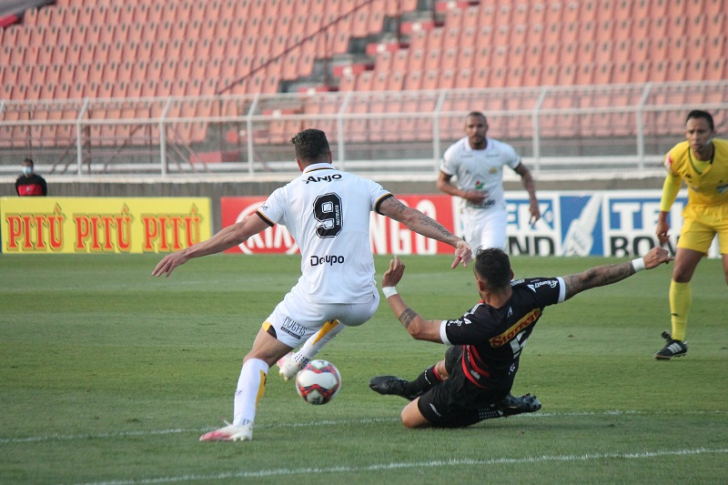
[316, 342]
[251, 386]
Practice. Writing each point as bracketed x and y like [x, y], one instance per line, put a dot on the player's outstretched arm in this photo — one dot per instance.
[417, 327]
[612, 273]
[225, 239]
[428, 227]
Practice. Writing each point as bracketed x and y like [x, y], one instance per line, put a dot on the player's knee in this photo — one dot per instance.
[682, 273]
[441, 370]
[411, 416]
[408, 421]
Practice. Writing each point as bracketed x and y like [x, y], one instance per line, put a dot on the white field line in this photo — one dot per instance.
[280, 472]
[121, 434]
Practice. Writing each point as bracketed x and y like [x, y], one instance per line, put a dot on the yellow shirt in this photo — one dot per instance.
[707, 181]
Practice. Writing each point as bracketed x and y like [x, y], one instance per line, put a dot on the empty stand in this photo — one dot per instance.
[111, 48]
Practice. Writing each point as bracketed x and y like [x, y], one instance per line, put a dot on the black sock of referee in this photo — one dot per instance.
[424, 382]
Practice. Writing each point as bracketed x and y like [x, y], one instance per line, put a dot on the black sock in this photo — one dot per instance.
[424, 382]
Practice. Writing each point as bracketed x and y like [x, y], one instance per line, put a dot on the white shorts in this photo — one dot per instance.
[486, 229]
[296, 318]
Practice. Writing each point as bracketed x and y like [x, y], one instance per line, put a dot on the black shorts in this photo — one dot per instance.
[456, 402]
[452, 358]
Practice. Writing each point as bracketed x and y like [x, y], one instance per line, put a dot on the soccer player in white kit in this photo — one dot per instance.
[327, 212]
[477, 162]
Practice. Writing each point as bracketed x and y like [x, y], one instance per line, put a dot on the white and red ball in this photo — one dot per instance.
[318, 382]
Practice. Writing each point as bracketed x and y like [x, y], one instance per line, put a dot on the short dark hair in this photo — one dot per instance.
[700, 114]
[493, 266]
[311, 146]
[477, 113]
[29, 160]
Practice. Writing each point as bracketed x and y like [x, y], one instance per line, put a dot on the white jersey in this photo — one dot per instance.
[327, 213]
[480, 170]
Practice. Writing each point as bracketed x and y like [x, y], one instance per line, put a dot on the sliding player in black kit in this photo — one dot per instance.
[474, 381]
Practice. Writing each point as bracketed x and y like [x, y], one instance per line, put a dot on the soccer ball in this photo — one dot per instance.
[318, 382]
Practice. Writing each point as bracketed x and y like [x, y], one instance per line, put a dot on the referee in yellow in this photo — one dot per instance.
[702, 162]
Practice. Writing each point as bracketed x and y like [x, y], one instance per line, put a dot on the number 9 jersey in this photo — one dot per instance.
[327, 212]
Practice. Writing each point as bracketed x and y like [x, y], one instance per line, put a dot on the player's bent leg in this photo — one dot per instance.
[686, 260]
[251, 386]
[291, 363]
[441, 370]
[412, 417]
[393, 385]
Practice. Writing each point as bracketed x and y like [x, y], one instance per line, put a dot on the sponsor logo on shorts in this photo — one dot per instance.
[293, 328]
[328, 259]
[434, 410]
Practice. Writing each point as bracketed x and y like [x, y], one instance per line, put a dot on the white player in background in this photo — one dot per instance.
[327, 212]
[477, 163]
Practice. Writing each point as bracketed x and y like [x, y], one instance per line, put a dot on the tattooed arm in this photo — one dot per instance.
[611, 273]
[421, 224]
[417, 327]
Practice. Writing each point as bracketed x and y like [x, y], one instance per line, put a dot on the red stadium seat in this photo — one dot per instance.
[603, 73]
[567, 75]
[463, 79]
[622, 73]
[717, 70]
[584, 74]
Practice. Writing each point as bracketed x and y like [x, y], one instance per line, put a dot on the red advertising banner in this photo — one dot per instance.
[387, 236]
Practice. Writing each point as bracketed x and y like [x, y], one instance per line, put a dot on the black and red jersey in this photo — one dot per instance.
[33, 185]
[492, 338]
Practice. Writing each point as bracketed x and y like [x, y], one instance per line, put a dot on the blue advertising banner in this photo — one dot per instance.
[618, 223]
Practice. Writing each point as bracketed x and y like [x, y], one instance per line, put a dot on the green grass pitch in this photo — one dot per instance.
[109, 376]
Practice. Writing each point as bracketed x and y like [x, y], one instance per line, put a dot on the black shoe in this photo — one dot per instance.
[390, 385]
[512, 405]
[672, 348]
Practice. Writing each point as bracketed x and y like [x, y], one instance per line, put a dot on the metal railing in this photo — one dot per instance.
[559, 130]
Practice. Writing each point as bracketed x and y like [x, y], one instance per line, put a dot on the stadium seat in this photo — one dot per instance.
[659, 72]
[603, 73]
[584, 74]
[568, 54]
[622, 73]
[641, 28]
[675, 8]
[567, 75]
[463, 79]
[717, 70]
[677, 49]
[532, 76]
[696, 69]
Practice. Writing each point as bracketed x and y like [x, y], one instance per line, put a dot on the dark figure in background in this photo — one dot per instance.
[30, 183]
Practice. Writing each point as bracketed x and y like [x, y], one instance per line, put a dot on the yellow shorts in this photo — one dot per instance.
[700, 225]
